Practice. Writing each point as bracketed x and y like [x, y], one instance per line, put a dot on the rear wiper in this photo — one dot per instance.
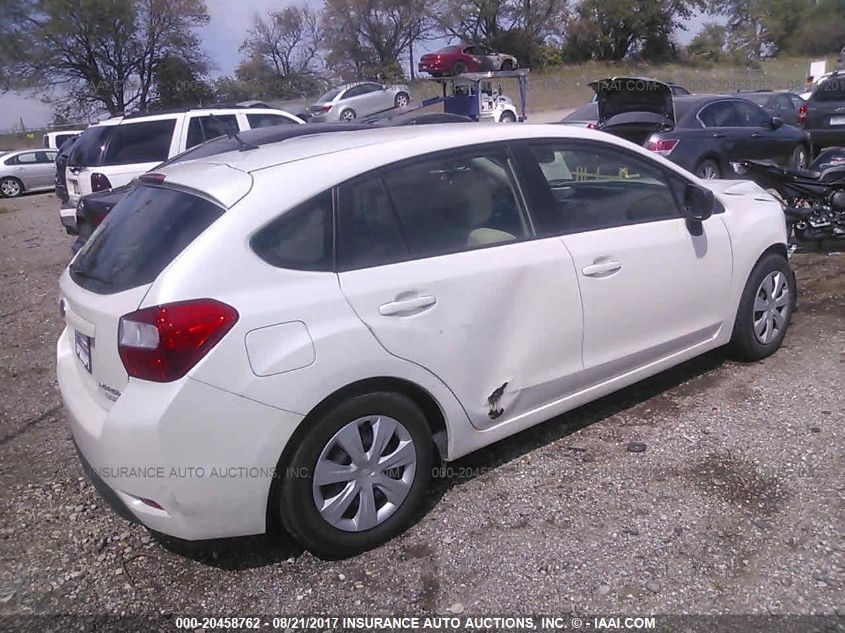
[231, 132]
[89, 275]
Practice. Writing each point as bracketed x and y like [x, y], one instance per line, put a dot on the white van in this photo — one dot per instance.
[54, 140]
[113, 152]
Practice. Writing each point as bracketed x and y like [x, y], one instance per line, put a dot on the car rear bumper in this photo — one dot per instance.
[206, 457]
[433, 67]
[822, 138]
[67, 216]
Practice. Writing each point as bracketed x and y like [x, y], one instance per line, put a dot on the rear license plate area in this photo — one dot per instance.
[82, 347]
[837, 120]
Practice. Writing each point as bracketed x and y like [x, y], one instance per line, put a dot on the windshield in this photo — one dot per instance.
[449, 49]
[89, 147]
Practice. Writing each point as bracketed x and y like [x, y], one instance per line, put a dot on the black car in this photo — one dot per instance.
[826, 112]
[780, 103]
[587, 115]
[702, 133]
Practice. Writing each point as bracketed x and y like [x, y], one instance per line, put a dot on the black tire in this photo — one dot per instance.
[8, 184]
[402, 96]
[507, 65]
[295, 499]
[348, 115]
[708, 168]
[507, 117]
[459, 68]
[745, 344]
[800, 157]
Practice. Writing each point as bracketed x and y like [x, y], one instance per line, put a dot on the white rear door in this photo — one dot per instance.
[436, 259]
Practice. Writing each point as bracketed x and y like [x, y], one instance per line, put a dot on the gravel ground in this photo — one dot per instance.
[735, 507]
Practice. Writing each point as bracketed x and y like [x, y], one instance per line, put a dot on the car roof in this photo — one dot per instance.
[168, 114]
[338, 156]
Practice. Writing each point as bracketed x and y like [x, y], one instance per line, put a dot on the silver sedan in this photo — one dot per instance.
[27, 170]
[361, 99]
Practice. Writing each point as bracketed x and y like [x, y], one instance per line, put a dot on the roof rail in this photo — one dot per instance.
[211, 106]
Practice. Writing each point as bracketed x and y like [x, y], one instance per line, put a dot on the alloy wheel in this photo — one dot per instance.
[771, 307]
[364, 473]
[708, 171]
[401, 101]
[10, 188]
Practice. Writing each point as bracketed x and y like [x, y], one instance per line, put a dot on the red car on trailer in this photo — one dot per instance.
[462, 58]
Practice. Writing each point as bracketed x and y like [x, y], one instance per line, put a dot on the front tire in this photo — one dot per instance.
[507, 65]
[357, 478]
[507, 117]
[459, 69]
[402, 99]
[765, 310]
[10, 187]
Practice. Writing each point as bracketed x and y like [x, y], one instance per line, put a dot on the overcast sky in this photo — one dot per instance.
[230, 19]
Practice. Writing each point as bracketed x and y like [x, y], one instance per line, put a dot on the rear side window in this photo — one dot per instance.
[267, 120]
[369, 233]
[300, 239]
[452, 204]
[141, 142]
[205, 128]
[144, 232]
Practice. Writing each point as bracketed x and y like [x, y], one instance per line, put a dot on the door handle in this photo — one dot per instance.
[756, 135]
[407, 306]
[601, 269]
[718, 135]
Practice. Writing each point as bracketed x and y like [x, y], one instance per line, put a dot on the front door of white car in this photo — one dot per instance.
[650, 286]
[436, 258]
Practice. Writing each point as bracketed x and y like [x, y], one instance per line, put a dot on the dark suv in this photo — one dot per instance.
[826, 112]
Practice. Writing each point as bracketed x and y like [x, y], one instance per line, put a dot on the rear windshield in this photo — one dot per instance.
[124, 144]
[329, 96]
[145, 231]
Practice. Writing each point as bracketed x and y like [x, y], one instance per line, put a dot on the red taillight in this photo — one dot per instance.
[164, 342]
[663, 147]
[99, 182]
[592, 125]
[326, 108]
[802, 115]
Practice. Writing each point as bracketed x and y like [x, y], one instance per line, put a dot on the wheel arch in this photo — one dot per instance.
[431, 409]
[17, 180]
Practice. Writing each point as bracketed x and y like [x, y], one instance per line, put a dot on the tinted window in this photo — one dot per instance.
[89, 147]
[205, 128]
[594, 188]
[369, 233]
[797, 101]
[354, 91]
[453, 204]
[329, 96]
[301, 239]
[745, 114]
[267, 120]
[716, 114]
[144, 232]
[141, 142]
[783, 103]
[832, 89]
[45, 157]
[61, 138]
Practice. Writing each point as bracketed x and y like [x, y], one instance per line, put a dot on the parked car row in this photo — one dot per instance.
[293, 302]
[702, 133]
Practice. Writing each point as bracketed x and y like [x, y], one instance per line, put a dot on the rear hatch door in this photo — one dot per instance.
[826, 107]
[144, 233]
[634, 107]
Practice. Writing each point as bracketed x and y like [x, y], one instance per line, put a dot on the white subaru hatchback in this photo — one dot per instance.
[290, 335]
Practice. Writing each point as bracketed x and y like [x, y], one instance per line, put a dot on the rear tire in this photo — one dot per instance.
[402, 99]
[765, 310]
[459, 68]
[373, 513]
[348, 115]
[507, 117]
[10, 187]
[708, 169]
[800, 158]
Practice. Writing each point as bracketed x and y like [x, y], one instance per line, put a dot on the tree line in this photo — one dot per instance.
[123, 55]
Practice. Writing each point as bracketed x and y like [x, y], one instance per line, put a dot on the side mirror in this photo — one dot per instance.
[776, 122]
[698, 203]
